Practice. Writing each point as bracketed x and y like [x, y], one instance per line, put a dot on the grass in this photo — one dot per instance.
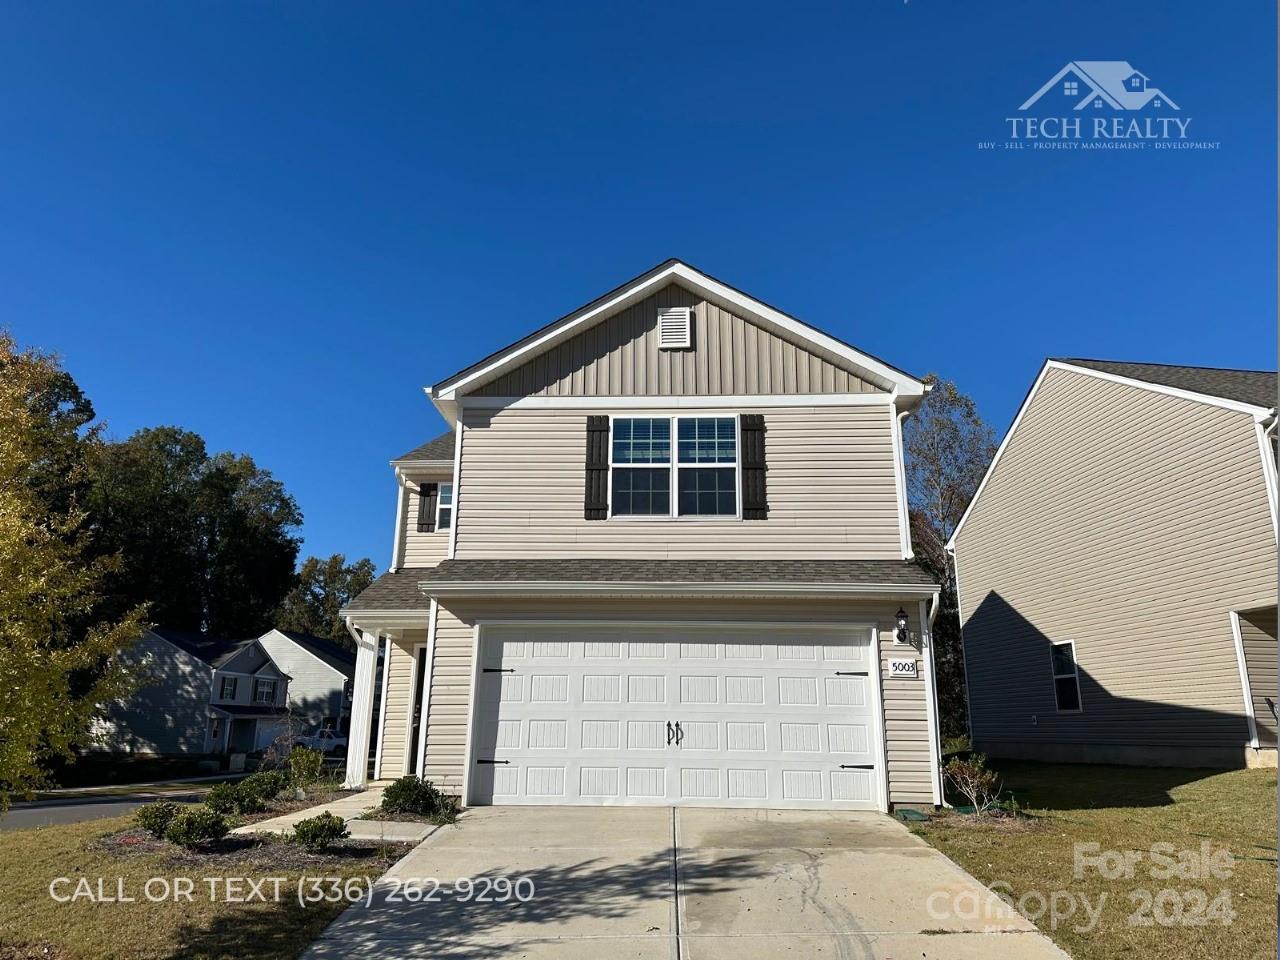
[1129, 809]
[33, 924]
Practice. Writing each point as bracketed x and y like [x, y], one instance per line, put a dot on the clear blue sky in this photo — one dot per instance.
[273, 223]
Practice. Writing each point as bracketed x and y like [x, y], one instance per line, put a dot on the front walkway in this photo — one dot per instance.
[348, 808]
[642, 883]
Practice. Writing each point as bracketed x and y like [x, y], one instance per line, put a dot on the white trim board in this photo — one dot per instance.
[1261, 428]
[1238, 637]
[448, 391]
[483, 588]
[1087, 371]
[382, 705]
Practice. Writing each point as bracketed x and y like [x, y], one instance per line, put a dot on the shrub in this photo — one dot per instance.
[194, 826]
[305, 766]
[419, 796]
[156, 817]
[266, 785]
[241, 797]
[316, 833]
[975, 781]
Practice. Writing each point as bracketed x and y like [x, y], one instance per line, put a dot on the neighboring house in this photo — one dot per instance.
[213, 695]
[1117, 570]
[660, 557]
[319, 673]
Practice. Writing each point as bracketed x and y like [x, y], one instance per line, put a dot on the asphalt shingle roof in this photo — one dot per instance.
[214, 651]
[400, 590]
[1257, 387]
[441, 448]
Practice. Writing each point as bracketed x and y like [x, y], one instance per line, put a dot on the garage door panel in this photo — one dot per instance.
[684, 716]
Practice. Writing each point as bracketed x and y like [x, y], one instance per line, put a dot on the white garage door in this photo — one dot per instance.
[759, 718]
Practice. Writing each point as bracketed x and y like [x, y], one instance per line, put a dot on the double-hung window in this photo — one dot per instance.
[264, 691]
[695, 477]
[444, 506]
[228, 691]
[1066, 681]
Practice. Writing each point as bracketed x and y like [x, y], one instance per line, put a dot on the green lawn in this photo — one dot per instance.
[1129, 809]
[34, 925]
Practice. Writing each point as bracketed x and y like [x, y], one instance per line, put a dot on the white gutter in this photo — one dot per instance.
[482, 588]
[931, 701]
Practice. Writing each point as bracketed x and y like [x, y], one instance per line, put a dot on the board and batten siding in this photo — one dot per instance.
[393, 760]
[831, 489]
[1258, 637]
[620, 357]
[421, 549]
[907, 743]
[1130, 522]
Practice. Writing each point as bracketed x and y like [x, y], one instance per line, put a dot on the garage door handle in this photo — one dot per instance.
[679, 733]
[670, 733]
[857, 766]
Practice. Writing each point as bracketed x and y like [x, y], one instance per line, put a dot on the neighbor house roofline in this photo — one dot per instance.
[1258, 413]
[446, 392]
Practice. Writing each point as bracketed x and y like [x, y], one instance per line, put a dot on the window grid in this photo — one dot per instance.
[264, 691]
[646, 480]
[444, 506]
[228, 691]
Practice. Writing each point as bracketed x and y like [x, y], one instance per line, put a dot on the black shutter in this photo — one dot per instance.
[755, 504]
[595, 505]
[428, 493]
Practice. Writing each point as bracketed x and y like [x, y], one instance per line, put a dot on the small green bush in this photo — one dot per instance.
[419, 796]
[305, 766]
[192, 827]
[266, 785]
[316, 833]
[227, 798]
[156, 817]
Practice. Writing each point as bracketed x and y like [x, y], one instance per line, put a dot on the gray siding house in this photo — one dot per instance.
[204, 695]
[660, 556]
[1117, 570]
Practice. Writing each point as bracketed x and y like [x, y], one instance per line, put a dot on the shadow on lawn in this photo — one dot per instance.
[1083, 786]
[638, 894]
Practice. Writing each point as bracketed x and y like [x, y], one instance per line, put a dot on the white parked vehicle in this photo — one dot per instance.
[327, 741]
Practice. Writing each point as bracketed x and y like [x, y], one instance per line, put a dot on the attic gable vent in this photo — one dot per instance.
[674, 325]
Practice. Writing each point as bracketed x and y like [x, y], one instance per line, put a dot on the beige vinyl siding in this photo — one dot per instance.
[831, 488]
[421, 549]
[906, 718]
[1131, 523]
[1258, 636]
[396, 709]
[620, 357]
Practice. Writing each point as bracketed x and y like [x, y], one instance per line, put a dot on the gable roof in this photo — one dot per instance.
[756, 311]
[214, 651]
[1213, 385]
[1257, 387]
[439, 449]
[333, 654]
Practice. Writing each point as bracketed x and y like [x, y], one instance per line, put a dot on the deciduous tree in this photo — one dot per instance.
[324, 587]
[59, 658]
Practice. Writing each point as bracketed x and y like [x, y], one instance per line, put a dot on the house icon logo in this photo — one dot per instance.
[1101, 87]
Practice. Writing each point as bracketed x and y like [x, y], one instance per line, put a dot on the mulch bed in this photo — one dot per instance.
[253, 851]
[317, 794]
[401, 817]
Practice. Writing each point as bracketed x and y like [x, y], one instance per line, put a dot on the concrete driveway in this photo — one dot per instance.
[643, 883]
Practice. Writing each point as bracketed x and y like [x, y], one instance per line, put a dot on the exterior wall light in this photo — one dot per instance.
[901, 636]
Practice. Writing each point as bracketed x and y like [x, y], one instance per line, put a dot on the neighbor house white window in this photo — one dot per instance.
[1070, 88]
[698, 479]
[444, 506]
[1066, 680]
[264, 691]
[228, 691]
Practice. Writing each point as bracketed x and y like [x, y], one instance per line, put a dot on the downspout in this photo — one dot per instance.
[931, 704]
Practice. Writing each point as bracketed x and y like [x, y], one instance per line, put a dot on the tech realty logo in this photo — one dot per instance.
[1100, 104]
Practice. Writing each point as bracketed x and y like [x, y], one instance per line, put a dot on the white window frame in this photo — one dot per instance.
[1074, 674]
[674, 466]
[264, 680]
[441, 506]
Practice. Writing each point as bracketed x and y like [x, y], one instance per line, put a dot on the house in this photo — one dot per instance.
[319, 672]
[207, 694]
[1117, 570]
[1102, 83]
[660, 556]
